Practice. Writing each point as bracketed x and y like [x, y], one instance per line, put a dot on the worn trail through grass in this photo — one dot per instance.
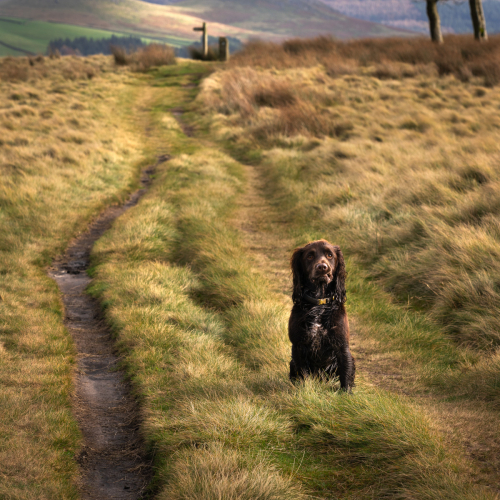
[195, 284]
[269, 238]
[471, 425]
[113, 460]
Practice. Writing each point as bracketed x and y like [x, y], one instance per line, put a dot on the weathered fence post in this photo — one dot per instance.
[223, 48]
[204, 39]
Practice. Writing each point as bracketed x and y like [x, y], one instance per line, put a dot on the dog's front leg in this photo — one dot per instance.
[347, 369]
[299, 367]
[294, 374]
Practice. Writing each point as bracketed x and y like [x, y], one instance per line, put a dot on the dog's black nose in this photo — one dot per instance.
[322, 267]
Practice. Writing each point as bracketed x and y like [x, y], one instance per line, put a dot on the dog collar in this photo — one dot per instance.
[319, 302]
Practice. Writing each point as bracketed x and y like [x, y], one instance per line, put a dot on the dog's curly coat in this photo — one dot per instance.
[319, 329]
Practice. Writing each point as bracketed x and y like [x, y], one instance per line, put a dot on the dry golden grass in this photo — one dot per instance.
[22, 69]
[151, 56]
[215, 472]
[394, 57]
[404, 171]
[65, 152]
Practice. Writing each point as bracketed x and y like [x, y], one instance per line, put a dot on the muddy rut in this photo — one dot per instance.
[113, 461]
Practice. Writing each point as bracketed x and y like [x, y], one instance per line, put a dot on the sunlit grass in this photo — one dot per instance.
[205, 343]
[66, 152]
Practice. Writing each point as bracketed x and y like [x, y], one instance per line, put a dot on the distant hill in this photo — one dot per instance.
[411, 15]
[242, 19]
[285, 18]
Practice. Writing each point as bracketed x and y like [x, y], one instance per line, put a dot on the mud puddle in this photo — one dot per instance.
[113, 461]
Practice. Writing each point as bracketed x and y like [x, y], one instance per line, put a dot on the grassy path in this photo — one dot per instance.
[470, 424]
[195, 283]
[112, 458]
[262, 232]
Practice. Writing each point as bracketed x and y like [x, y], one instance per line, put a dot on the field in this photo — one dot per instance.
[53, 123]
[387, 148]
[20, 36]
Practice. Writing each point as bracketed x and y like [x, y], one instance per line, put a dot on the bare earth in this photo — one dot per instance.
[113, 460]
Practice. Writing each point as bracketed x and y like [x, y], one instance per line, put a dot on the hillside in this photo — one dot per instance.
[127, 16]
[396, 162]
[243, 19]
[409, 14]
[301, 18]
[24, 36]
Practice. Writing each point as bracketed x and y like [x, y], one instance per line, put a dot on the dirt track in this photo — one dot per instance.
[113, 460]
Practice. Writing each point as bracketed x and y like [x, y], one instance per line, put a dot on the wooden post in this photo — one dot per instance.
[223, 48]
[204, 39]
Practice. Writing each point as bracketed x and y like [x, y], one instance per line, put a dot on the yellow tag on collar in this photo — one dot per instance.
[322, 302]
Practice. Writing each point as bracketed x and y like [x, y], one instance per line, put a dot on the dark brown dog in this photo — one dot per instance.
[318, 326]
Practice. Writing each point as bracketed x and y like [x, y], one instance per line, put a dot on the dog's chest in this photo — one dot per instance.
[317, 336]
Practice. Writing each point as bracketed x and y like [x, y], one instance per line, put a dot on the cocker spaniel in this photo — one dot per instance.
[318, 326]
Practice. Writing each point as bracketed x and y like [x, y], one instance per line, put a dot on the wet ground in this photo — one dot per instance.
[113, 460]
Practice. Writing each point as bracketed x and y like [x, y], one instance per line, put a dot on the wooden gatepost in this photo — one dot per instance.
[223, 48]
[204, 39]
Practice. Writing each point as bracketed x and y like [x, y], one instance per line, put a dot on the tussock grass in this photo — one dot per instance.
[374, 431]
[204, 338]
[393, 57]
[63, 156]
[273, 105]
[403, 191]
[218, 473]
[24, 69]
[145, 58]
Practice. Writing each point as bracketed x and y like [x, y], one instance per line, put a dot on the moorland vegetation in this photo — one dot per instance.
[412, 185]
[368, 144]
[67, 149]
[145, 58]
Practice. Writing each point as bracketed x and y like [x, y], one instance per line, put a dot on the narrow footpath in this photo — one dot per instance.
[113, 461]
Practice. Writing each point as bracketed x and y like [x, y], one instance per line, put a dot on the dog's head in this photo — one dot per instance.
[319, 264]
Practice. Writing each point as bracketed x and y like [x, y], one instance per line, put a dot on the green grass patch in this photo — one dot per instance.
[34, 36]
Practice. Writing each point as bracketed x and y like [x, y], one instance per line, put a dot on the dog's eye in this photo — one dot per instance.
[310, 256]
[329, 255]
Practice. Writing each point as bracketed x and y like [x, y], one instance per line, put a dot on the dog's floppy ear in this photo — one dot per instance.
[296, 264]
[340, 276]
